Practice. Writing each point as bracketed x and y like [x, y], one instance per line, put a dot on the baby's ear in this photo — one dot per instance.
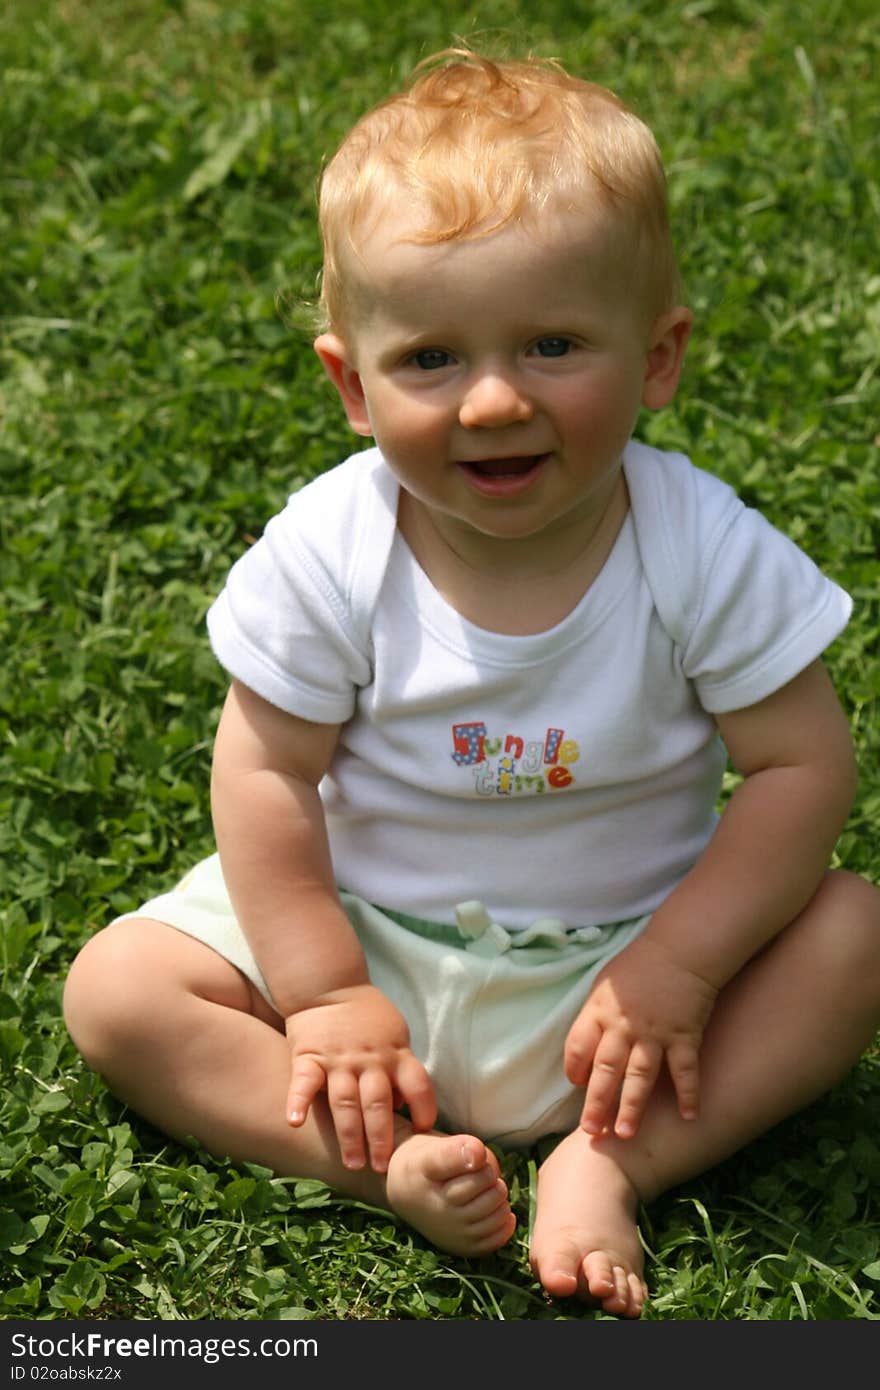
[666, 349]
[337, 363]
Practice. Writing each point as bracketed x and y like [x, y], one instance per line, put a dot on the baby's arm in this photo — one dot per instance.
[761, 868]
[345, 1035]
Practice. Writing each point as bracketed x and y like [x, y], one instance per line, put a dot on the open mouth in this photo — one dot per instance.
[517, 466]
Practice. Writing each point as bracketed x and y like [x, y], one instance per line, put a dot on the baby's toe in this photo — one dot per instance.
[493, 1232]
[601, 1278]
[557, 1269]
[480, 1186]
[455, 1156]
[617, 1289]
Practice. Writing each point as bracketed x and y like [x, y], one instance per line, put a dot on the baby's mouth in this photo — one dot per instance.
[514, 467]
[504, 478]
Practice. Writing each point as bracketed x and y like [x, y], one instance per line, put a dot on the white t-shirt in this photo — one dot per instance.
[573, 773]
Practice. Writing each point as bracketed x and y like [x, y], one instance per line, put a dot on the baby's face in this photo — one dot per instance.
[500, 376]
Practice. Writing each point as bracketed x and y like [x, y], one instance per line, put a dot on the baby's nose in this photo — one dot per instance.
[494, 400]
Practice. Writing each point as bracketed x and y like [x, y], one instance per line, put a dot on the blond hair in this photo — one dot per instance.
[473, 145]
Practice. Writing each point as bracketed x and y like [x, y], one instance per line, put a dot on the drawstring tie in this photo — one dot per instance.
[484, 937]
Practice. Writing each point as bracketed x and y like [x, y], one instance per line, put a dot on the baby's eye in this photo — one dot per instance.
[429, 359]
[553, 347]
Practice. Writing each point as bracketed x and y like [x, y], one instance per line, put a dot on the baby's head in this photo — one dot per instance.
[472, 146]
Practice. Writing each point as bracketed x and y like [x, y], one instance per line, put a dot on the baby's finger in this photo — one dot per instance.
[609, 1065]
[642, 1070]
[683, 1061]
[343, 1095]
[307, 1078]
[378, 1117]
[580, 1049]
[416, 1091]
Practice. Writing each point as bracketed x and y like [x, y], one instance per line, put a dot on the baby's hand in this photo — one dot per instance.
[643, 1009]
[354, 1044]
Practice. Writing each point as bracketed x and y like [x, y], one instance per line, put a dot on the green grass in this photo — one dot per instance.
[158, 164]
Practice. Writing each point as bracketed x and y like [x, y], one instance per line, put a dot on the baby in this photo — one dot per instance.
[470, 883]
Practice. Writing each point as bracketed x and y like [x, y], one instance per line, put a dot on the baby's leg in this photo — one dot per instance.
[785, 1030]
[183, 1038]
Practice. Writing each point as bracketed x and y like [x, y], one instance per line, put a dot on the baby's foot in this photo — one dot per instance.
[585, 1240]
[450, 1189]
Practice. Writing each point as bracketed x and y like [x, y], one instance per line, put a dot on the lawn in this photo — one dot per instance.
[159, 401]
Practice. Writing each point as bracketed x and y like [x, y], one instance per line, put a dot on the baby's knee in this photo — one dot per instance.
[108, 998]
[856, 901]
[849, 911]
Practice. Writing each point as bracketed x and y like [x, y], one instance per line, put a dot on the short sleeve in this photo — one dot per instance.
[765, 612]
[293, 621]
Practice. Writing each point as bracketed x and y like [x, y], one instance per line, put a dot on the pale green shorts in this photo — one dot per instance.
[488, 1010]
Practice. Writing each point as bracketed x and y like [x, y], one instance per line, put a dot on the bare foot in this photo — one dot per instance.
[450, 1189]
[585, 1240]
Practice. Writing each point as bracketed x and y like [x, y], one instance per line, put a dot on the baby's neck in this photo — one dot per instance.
[520, 587]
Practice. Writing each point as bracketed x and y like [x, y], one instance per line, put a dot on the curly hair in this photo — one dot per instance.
[473, 144]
